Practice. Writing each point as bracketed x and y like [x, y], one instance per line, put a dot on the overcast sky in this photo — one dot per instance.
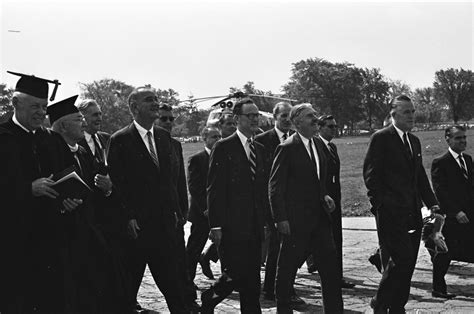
[204, 47]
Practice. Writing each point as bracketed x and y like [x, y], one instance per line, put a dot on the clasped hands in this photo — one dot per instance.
[43, 187]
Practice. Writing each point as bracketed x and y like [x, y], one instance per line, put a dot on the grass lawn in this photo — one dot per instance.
[352, 152]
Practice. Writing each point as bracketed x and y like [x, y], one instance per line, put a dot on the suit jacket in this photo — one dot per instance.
[396, 182]
[333, 181]
[145, 191]
[453, 191]
[235, 202]
[104, 141]
[295, 192]
[179, 177]
[198, 166]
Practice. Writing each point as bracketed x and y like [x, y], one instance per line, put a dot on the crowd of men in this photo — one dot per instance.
[87, 252]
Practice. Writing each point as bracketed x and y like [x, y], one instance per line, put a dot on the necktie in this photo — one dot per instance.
[284, 137]
[313, 159]
[252, 158]
[332, 151]
[463, 166]
[98, 150]
[407, 145]
[152, 150]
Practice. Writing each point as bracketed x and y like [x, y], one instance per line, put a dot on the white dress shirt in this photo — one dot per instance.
[315, 152]
[400, 134]
[142, 131]
[245, 144]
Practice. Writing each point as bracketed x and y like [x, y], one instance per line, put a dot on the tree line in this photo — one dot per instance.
[357, 97]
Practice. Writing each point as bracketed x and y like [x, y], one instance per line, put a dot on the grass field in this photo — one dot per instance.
[352, 152]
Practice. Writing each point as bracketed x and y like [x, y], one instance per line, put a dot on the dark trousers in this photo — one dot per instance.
[337, 233]
[242, 272]
[188, 289]
[196, 242]
[162, 262]
[318, 240]
[271, 260]
[400, 248]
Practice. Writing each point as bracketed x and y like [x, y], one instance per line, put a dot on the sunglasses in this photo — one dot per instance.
[164, 119]
[334, 126]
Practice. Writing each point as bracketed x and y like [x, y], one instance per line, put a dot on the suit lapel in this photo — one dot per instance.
[304, 151]
[401, 145]
[455, 166]
[140, 145]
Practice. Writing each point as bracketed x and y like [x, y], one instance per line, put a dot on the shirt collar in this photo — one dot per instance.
[326, 142]
[455, 155]
[208, 151]
[399, 132]
[242, 137]
[142, 130]
[280, 133]
[88, 137]
[15, 120]
[304, 139]
[74, 148]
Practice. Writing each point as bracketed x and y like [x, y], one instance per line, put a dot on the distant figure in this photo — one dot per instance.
[236, 193]
[227, 125]
[198, 166]
[302, 210]
[397, 184]
[452, 177]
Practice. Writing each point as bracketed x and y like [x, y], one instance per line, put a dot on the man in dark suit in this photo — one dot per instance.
[165, 120]
[302, 210]
[198, 166]
[140, 167]
[270, 140]
[227, 125]
[452, 177]
[32, 238]
[236, 191]
[328, 131]
[397, 184]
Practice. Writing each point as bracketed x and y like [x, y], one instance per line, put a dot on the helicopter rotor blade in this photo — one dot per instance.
[274, 97]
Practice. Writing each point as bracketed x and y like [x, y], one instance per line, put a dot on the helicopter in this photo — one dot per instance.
[226, 106]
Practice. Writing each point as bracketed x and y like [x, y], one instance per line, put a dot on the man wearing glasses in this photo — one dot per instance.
[236, 198]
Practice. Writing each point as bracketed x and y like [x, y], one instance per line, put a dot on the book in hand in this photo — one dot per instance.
[70, 185]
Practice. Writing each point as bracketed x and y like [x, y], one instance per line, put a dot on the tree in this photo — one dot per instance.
[111, 95]
[263, 103]
[397, 88]
[428, 109]
[330, 88]
[375, 95]
[455, 88]
[6, 109]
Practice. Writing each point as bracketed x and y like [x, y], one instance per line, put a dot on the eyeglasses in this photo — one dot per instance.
[164, 119]
[333, 126]
[251, 115]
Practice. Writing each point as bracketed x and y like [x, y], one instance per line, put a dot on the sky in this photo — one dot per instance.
[202, 48]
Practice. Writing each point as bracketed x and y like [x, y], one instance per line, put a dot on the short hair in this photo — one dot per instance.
[395, 100]
[324, 119]
[448, 133]
[238, 106]
[86, 103]
[224, 117]
[296, 111]
[205, 132]
[278, 106]
[134, 94]
[165, 107]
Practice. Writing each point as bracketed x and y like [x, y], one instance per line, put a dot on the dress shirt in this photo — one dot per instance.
[208, 151]
[400, 134]
[326, 142]
[245, 144]
[280, 135]
[456, 157]
[315, 152]
[90, 141]
[142, 131]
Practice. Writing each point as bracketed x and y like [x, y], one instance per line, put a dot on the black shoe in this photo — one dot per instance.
[443, 295]
[346, 284]
[296, 301]
[206, 267]
[269, 296]
[207, 302]
[375, 260]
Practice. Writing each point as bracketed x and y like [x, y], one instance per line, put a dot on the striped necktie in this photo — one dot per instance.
[463, 166]
[98, 149]
[252, 158]
[152, 150]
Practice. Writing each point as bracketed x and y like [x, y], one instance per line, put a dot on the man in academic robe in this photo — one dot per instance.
[33, 239]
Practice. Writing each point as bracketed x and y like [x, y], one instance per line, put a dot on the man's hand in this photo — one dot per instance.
[283, 227]
[103, 182]
[71, 204]
[439, 241]
[330, 203]
[215, 235]
[462, 218]
[42, 187]
[133, 228]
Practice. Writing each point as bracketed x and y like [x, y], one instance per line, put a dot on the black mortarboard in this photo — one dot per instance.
[35, 86]
[61, 108]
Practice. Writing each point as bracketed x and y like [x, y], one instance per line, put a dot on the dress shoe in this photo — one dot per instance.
[346, 284]
[206, 267]
[443, 295]
[296, 301]
[375, 260]
[207, 301]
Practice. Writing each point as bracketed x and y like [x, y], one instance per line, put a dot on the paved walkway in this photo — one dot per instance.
[360, 240]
